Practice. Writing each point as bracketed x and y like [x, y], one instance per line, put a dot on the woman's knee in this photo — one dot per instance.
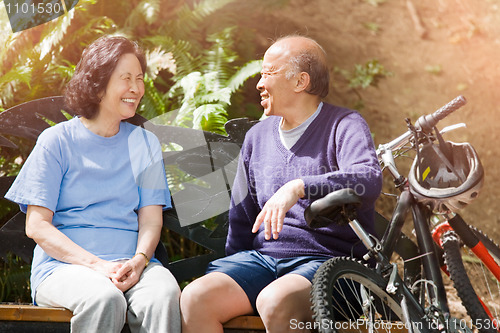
[169, 291]
[156, 289]
[166, 296]
[163, 286]
[110, 298]
[105, 311]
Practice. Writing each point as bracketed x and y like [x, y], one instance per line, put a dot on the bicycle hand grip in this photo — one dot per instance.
[426, 123]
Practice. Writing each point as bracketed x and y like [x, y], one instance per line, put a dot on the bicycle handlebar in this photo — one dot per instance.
[426, 123]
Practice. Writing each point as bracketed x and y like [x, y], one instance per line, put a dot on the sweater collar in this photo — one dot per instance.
[310, 124]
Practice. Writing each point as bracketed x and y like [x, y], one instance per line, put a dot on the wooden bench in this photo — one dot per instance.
[206, 163]
[30, 318]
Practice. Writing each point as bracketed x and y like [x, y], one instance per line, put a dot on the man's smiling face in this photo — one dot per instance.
[274, 86]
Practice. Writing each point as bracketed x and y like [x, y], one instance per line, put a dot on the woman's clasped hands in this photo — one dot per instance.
[123, 274]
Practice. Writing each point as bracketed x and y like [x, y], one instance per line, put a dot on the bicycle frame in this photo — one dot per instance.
[406, 203]
[429, 257]
[383, 250]
[384, 267]
[429, 242]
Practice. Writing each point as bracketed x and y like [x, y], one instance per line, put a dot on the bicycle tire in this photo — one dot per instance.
[340, 290]
[468, 287]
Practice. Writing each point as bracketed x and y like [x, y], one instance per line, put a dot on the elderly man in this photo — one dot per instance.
[305, 149]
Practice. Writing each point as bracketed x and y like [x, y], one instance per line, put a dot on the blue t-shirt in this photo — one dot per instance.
[94, 185]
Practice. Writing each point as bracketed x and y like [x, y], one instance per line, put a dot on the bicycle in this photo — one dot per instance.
[443, 179]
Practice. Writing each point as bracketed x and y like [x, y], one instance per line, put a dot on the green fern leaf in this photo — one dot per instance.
[189, 18]
[152, 103]
[158, 60]
[221, 96]
[147, 11]
[250, 69]
[11, 81]
[210, 117]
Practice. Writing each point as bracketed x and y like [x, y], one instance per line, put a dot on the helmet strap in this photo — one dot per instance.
[445, 146]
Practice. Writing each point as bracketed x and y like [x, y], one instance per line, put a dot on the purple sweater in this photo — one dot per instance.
[335, 151]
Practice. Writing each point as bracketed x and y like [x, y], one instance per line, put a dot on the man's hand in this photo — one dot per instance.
[273, 213]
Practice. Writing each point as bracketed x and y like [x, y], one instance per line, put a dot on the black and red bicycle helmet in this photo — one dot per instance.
[446, 182]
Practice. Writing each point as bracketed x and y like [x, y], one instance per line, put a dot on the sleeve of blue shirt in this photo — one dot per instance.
[39, 181]
[152, 181]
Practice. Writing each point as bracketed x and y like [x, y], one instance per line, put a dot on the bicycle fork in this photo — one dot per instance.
[395, 283]
[429, 258]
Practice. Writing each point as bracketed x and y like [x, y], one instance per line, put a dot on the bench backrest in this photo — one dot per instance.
[200, 168]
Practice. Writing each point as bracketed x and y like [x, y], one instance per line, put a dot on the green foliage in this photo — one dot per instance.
[8, 168]
[368, 74]
[375, 2]
[152, 103]
[434, 69]
[180, 38]
[372, 26]
[35, 61]
[204, 70]
[14, 280]
[363, 77]
[204, 97]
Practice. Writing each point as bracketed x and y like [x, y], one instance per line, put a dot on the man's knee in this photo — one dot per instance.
[269, 301]
[195, 294]
[285, 298]
[207, 293]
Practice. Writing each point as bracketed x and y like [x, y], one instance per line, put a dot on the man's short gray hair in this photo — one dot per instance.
[311, 60]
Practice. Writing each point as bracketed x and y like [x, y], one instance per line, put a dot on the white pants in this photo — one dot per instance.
[152, 305]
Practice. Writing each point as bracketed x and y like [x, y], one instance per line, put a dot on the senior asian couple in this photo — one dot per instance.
[97, 220]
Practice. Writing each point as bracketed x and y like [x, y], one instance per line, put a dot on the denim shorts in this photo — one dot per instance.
[253, 271]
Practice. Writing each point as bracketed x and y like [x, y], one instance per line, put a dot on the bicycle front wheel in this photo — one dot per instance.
[476, 286]
[348, 295]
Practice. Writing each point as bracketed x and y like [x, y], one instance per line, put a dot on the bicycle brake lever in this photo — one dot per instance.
[452, 128]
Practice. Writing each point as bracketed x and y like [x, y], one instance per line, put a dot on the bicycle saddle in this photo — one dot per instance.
[337, 207]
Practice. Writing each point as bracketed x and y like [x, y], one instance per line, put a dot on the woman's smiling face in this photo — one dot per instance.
[124, 89]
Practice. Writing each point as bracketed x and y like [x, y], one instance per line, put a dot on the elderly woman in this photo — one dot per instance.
[93, 190]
